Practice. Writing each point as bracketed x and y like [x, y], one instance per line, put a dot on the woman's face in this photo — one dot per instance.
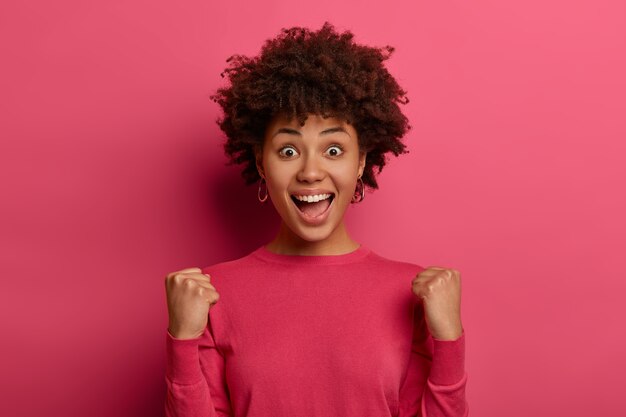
[311, 173]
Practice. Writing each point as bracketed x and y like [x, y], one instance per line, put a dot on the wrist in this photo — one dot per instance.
[182, 335]
[450, 333]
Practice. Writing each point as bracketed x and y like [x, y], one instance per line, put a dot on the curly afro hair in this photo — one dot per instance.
[302, 72]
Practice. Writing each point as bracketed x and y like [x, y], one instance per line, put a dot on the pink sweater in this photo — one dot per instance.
[323, 336]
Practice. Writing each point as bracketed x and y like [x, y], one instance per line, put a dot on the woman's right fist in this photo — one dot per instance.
[189, 294]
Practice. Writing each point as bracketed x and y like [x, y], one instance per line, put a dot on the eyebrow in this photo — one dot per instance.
[323, 132]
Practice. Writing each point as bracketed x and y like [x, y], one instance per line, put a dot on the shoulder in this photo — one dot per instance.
[392, 265]
[232, 266]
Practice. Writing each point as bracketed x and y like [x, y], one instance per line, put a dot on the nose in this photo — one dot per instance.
[312, 169]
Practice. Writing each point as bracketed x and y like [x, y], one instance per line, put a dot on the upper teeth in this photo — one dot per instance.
[312, 198]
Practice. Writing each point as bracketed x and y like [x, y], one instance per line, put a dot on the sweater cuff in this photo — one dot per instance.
[448, 366]
[183, 360]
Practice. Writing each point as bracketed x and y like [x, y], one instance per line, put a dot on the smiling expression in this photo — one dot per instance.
[311, 173]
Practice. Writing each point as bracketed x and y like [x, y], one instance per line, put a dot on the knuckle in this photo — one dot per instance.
[171, 279]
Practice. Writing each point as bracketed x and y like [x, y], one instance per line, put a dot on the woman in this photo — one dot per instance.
[314, 323]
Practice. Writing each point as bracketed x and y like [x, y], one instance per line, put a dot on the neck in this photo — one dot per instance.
[288, 243]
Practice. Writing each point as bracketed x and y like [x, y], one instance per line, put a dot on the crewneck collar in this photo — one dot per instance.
[346, 258]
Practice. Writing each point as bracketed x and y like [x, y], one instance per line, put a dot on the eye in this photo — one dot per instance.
[335, 150]
[288, 152]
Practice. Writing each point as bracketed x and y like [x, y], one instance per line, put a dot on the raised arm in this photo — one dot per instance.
[436, 377]
[195, 377]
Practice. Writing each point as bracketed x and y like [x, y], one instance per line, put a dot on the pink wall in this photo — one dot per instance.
[112, 176]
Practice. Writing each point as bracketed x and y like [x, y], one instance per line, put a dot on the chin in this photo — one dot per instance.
[312, 234]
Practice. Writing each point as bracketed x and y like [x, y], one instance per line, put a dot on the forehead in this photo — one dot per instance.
[312, 122]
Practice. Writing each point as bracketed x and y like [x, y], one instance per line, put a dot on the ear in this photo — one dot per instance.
[362, 159]
[258, 156]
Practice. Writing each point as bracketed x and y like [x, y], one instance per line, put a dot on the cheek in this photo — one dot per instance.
[274, 185]
[346, 178]
[274, 173]
[277, 183]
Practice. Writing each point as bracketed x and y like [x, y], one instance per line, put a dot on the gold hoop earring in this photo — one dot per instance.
[359, 192]
[264, 198]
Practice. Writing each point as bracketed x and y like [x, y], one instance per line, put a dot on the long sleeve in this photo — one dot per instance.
[291, 336]
[195, 378]
[436, 378]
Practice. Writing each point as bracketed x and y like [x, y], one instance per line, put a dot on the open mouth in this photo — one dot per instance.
[313, 205]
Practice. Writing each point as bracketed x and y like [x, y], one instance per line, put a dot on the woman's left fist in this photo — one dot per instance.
[439, 290]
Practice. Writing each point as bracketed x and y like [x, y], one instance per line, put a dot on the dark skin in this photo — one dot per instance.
[323, 156]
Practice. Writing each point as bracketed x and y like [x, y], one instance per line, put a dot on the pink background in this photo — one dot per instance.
[112, 175]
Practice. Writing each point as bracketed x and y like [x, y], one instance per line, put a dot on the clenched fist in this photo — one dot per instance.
[189, 295]
[439, 290]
